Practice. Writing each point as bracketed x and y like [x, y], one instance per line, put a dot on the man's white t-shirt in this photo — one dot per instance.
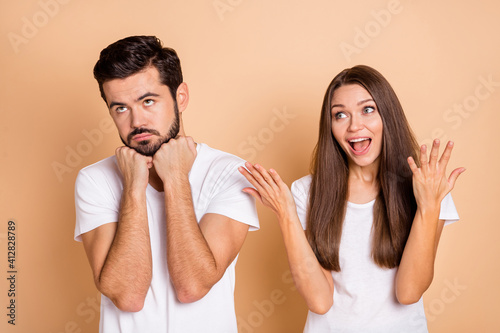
[364, 299]
[216, 187]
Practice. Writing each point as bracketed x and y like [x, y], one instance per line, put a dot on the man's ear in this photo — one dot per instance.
[182, 95]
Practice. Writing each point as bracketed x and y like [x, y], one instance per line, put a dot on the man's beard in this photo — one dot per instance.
[149, 147]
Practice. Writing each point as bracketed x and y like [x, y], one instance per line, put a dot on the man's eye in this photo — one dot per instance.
[149, 102]
[121, 109]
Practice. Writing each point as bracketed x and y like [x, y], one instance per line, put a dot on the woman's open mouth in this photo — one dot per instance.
[360, 146]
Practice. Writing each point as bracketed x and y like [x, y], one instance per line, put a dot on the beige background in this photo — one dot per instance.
[247, 63]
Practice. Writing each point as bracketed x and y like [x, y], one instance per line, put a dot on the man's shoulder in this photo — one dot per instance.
[215, 157]
[304, 181]
[302, 185]
[104, 168]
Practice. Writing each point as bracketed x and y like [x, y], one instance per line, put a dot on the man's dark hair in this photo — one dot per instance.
[133, 54]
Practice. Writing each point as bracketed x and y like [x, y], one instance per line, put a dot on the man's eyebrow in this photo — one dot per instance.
[148, 94]
[115, 103]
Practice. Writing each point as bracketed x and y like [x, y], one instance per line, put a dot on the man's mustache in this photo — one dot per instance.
[140, 131]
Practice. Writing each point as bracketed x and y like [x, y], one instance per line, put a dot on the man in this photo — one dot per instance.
[163, 220]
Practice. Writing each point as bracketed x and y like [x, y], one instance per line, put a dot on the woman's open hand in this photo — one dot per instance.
[269, 189]
[430, 184]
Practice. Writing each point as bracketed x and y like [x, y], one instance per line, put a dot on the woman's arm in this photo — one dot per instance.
[430, 186]
[313, 282]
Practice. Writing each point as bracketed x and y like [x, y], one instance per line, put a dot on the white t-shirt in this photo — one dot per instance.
[216, 187]
[364, 298]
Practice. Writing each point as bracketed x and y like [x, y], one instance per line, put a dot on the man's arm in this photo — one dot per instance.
[197, 254]
[120, 253]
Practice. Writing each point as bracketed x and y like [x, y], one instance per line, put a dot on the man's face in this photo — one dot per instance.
[143, 110]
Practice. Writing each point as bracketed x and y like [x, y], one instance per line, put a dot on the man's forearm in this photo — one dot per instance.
[126, 275]
[191, 263]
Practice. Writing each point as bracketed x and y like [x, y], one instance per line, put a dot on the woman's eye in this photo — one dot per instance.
[369, 109]
[148, 102]
[340, 115]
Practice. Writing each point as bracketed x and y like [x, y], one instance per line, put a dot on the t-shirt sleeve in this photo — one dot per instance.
[95, 204]
[301, 198]
[229, 199]
[448, 211]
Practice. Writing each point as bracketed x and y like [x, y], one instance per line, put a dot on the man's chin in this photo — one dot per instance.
[146, 149]
[146, 153]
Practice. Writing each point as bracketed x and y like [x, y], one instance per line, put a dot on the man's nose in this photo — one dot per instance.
[138, 118]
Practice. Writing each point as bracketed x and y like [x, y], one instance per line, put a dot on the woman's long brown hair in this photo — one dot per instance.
[395, 205]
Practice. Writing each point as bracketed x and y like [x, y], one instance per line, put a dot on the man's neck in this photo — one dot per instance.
[154, 180]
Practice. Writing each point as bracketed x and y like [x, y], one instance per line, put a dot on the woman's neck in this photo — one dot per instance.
[363, 183]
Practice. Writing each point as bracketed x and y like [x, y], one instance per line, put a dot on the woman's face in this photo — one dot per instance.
[356, 124]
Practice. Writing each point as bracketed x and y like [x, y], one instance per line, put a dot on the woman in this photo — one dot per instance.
[373, 210]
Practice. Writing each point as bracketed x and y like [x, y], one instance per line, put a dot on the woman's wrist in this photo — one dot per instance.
[428, 212]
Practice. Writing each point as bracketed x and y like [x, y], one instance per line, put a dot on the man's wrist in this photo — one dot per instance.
[175, 183]
[134, 191]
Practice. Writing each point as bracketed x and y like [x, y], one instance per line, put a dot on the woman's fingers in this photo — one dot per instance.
[432, 162]
[429, 180]
[255, 174]
[265, 175]
[252, 179]
[454, 175]
[247, 175]
[277, 179]
[443, 161]
[261, 175]
[413, 166]
[434, 153]
[259, 178]
[269, 190]
[253, 192]
[423, 156]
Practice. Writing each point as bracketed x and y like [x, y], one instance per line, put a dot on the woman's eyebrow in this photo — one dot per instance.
[365, 100]
[359, 103]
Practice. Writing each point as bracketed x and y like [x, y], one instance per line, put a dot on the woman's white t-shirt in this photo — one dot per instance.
[364, 298]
